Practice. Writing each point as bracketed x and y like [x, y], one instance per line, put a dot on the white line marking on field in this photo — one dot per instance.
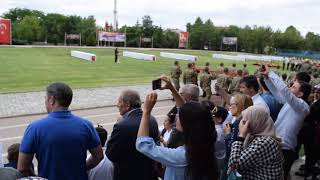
[105, 124]
[10, 138]
[86, 117]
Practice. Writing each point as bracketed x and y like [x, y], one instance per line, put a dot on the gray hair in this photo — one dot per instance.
[132, 98]
[192, 90]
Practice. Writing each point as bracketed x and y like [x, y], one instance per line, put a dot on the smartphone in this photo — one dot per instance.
[156, 84]
[263, 68]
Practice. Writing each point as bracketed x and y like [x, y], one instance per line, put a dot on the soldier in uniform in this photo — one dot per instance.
[288, 64]
[292, 65]
[296, 65]
[283, 64]
[233, 68]
[221, 68]
[314, 68]
[235, 83]
[299, 65]
[205, 83]
[223, 81]
[257, 72]
[245, 71]
[197, 71]
[306, 67]
[190, 76]
[175, 75]
[315, 80]
[207, 65]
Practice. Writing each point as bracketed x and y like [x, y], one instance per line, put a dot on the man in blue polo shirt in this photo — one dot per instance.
[60, 141]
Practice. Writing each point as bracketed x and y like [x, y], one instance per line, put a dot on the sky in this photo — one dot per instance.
[278, 14]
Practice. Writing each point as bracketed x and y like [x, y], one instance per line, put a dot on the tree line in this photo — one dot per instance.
[256, 39]
[35, 26]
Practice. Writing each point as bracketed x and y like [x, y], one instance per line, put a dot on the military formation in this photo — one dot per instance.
[295, 65]
[228, 78]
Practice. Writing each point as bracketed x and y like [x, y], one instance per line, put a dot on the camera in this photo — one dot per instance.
[156, 84]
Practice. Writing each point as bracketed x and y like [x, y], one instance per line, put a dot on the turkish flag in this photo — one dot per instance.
[5, 30]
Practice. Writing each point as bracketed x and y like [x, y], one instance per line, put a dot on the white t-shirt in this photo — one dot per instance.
[103, 171]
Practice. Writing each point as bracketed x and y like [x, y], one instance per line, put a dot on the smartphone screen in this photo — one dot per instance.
[156, 84]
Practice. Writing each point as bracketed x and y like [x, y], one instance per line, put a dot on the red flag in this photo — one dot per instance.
[183, 39]
[5, 30]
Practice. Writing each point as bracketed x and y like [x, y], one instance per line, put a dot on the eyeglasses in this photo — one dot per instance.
[233, 104]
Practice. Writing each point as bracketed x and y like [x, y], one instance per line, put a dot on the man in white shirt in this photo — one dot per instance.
[249, 86]
[291, 115]
[104, 170]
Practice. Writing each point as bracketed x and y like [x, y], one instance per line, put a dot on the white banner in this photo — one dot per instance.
[145, 39]
[230, 40]
[73, 36]
[112, 36]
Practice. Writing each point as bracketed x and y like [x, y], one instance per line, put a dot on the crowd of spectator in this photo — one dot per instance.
[255, 133]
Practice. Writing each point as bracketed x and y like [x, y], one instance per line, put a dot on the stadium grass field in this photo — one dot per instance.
[32, 69]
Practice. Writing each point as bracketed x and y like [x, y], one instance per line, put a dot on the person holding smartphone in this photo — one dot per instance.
[292, 114]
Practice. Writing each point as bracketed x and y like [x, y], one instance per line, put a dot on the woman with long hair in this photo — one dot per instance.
[195, 160]
[256, 153]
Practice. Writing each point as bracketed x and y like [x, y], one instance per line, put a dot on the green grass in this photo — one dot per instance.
[32, 69]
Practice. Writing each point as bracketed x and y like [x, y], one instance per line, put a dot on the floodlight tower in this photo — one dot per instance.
[115, 16]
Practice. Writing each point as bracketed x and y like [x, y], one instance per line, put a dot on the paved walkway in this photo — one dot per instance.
[33, 102]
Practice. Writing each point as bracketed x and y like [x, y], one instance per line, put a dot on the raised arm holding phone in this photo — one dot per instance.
[291, 115]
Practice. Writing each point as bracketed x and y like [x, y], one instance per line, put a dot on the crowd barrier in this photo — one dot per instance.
[179, 56]
[140, 56]
[83, 55]
[244, 57]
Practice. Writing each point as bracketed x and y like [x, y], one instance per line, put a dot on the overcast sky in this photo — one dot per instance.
[279, 14]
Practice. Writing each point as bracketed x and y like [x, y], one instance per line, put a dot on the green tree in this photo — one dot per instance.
[196, 39]
[171, 39]
[73, 24]
[147, 27]
[18, 14]
[88, 31]
[312, 42]
[29, 29]
[56, 27]
[158, 37]
[292, 39]
[133, 34]
[245, 39]
[262, 39]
